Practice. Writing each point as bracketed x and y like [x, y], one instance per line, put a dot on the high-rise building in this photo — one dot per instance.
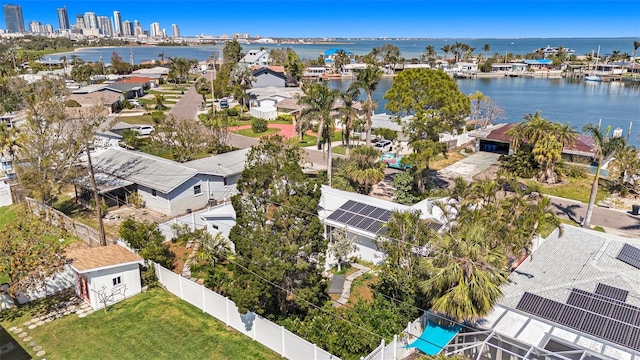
[104, 24]
[127, 28]
[175, 30]
[137, 28]
[63, 18]
[117, 23]
[90, 20]
[155, 29]
[13, 18]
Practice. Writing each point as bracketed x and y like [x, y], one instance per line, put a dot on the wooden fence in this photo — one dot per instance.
[59, 219]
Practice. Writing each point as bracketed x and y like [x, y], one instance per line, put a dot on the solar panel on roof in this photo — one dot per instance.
[364, 224]
[345, 217]
[336, 214]
[376, 213]
[354, 220]
[630, 255]
[385, 216]
[348, 205]
[612, 292]
[357, 208]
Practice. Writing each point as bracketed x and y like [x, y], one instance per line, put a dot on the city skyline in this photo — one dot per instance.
[359, 18]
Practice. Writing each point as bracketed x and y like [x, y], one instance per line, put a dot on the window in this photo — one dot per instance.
[153, 192]
[117, 281]
[197, 190]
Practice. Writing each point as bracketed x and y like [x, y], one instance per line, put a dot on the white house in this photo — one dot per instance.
[364, 217]
[256, 58]
[166, 186]
[269, 76]
[105, 274]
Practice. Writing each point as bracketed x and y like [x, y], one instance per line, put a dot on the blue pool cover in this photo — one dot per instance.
[434, 338]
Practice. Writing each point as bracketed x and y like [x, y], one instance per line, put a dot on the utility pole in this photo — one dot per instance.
[213, 75]
[96, 196]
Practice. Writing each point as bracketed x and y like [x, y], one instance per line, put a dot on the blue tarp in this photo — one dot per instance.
[434, 338]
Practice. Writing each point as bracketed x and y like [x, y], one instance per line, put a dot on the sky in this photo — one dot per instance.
[362, 18]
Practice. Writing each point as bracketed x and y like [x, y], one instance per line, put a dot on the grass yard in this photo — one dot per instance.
[250, 133]
[439, 162]
[7, 214]
[151, 325]
[138, 119]
[574, 189]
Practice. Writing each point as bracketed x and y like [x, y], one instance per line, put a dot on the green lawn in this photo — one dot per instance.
[7, 214]
[250, 133]
[574, 189]
[138, 119]
[151, 325]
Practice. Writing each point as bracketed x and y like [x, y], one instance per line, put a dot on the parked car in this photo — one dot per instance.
[383, 145]
[144, 130]
[394, 160]
[224, 103]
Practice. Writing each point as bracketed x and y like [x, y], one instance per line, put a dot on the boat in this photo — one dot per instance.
[593, 76]
[550, 50]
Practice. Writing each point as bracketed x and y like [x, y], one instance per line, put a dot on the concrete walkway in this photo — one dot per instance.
[346, 289]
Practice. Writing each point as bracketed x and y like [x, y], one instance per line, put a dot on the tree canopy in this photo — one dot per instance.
[278, 237]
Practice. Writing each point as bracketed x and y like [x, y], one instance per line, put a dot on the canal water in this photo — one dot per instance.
[577, 102]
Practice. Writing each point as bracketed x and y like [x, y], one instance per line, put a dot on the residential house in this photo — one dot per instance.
[156, 73]
[539, 64]
[131, 88]
[465, 67]
[256, 58]
[330, 56]
[363, 218]
[578, 294]
[495, 139]
[105, 274]
[165, 186]
[6, 167]
[264, 101]
[269, 76]
[109, 99]
[313, 73]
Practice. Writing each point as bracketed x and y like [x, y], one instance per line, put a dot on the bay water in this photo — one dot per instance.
[563, 100]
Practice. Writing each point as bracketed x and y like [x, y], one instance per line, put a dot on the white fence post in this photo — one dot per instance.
[181, 292]
[395, 347]
[204, 303]
[382, 352]
[315, 352]
[282, 332]
[226, 303]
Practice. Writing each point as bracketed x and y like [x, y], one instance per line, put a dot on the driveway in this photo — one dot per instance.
[470, 166]
[187, 106]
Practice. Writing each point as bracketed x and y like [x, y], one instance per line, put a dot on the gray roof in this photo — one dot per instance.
[162, 174]
[229, 163]
[253, 56]
[386, 121]
[579, 259]
[104, 182]
[144, 169]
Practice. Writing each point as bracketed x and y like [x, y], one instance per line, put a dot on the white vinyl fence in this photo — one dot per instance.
[273, 336]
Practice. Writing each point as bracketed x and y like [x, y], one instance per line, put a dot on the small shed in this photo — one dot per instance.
[105, 274]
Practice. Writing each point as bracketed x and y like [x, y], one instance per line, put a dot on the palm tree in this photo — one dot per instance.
[463, 276]
[364, 167]
[348, 113]
[318, 101]
[367, 80]
[636, 45]
[161, 56]
[547, 152]
[604, 146]
[213, 249]
[203, 87]
[486, 48]
[160, 99]
[446, 49]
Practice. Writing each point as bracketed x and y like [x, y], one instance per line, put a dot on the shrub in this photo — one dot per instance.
[285, 118]
[71, 103]
[258, 125]
[232, 111]
[577, 172]
[157, 116]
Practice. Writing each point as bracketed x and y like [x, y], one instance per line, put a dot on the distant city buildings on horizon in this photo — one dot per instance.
[88, 25]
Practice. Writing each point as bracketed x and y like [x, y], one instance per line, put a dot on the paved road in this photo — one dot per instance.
[614, 221]
[187, 106]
